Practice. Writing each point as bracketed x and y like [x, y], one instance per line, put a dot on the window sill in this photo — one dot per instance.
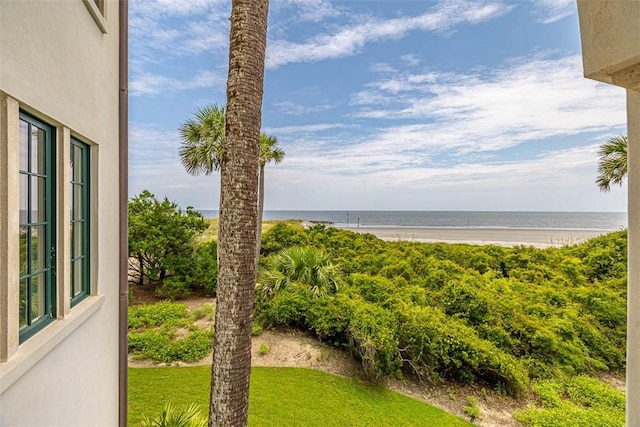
[38, 346]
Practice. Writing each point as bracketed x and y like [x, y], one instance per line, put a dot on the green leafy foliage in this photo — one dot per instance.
[163, 249]
[171, 416]
[472, 409]
[305, 265]
[497, 315]
[580, 401]
[165, 332]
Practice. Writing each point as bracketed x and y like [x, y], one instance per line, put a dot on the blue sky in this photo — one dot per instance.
[385, 105]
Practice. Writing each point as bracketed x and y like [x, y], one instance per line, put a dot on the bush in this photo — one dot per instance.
[161, 240]
[282, 236]
[174, 417]
[165, 332]
[578, 402]
[307, 266]
[472, 313]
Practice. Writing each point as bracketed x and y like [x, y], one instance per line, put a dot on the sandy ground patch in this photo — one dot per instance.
[539, 238]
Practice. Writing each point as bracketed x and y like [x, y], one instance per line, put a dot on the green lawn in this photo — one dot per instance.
[286, 397]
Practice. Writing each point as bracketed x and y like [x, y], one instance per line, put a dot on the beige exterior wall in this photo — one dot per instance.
[610, 33]
[59, 63]
[633, 291]
[610, 40]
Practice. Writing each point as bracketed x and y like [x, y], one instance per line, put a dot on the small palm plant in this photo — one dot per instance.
[303, 265]
[172, 416]
[612, 163]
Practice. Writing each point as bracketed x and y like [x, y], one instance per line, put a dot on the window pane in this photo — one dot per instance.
[23, 303]
[78, 200]
[78, 277]
[38, 248]
[37, 297]
[77, 164]
[38, 150]
[24, 145]
[24, 233]
[24, 198]
[38, 199]
[78, 247]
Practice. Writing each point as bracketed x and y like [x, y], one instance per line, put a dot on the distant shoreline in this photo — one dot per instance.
[540, 238]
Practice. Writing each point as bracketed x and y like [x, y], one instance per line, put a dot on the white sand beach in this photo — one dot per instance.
[540, 238]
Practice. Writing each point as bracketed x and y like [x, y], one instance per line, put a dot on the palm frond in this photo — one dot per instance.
[612, 163]
[201, 149]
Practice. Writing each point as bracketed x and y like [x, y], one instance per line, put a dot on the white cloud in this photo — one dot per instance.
[150, 144]
[527, 99]
[350, 39]
[306, 129]
[294, 109]
[461, 118]
[549, 11]
[151, 84]
[411, 59]
[313, 10]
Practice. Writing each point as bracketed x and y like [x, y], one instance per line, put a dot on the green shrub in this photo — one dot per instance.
[165, 332]
[472, 313]
[264, 349]
[174, 417]
[149, 316]
[164, 346]
[472, 409]
[281, 236]
[304, 265]
[161, 239]
[578, 402]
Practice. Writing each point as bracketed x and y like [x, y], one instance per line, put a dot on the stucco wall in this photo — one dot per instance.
[633, 292]
[57, 62]
[610, 34]
[610, 38]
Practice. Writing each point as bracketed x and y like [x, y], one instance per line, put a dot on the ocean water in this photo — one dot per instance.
[606, 221]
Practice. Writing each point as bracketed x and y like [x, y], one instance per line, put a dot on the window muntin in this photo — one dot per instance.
[79, 221]
[37, 225]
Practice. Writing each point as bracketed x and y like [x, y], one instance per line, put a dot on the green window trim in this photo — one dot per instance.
[80, 221]
[37, 302]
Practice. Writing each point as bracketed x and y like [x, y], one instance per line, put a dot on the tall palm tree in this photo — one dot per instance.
[237, 235]
[202, 138]
[612, 164]
[201, 150]
[269, 152]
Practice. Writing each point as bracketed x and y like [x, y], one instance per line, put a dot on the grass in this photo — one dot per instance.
[286, 397]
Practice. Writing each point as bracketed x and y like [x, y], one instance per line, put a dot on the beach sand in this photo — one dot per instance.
[484, 236]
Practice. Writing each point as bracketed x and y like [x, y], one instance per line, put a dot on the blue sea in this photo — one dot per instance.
[606, 221]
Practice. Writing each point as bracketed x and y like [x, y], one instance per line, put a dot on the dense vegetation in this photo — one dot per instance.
[501, 316]
[168, 332]
[285, 397]
[165, 249]
[518, 319]
[576, 402]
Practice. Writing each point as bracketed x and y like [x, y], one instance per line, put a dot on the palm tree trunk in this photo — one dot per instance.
[260, 209]
[231, 367]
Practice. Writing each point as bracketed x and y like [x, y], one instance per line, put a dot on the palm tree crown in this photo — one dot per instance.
[269, 151]
[612, 164]
[202, 138]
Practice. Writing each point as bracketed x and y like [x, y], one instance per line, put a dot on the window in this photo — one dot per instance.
[37, 225]
[79, 221]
